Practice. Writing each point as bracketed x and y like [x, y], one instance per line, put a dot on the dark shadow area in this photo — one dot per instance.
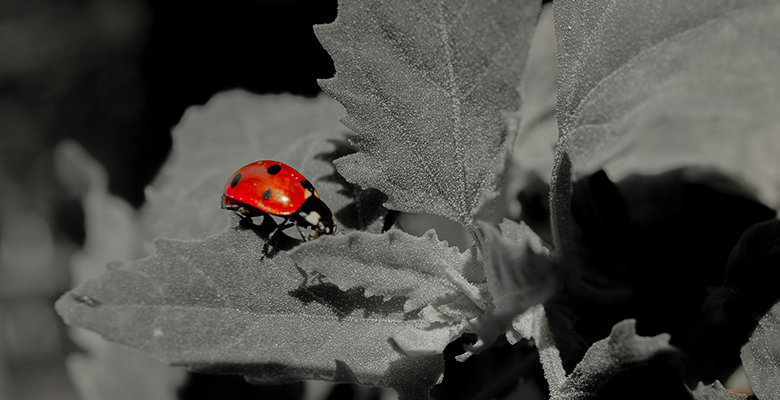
[658, 378]
[498, 370]
[201, 386]
[656, 248]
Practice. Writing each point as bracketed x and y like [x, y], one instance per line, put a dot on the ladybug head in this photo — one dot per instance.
[316, 214]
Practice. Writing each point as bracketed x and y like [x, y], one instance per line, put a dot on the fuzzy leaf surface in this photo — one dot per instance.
[761, 356]
[214, 140]
[394, 265]
[213, 306]
[684, 76]
[424, 85]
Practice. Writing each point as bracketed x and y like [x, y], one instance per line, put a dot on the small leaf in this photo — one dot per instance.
[715, 391]
[213, 141]
[424, 85]
[761, 356]
[394, 264]
[213, 306]
[681, 78]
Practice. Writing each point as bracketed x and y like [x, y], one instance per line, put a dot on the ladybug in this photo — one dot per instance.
[271, 187]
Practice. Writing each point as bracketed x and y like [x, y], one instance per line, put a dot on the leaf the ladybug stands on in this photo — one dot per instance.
[213, 306]
[424, 85]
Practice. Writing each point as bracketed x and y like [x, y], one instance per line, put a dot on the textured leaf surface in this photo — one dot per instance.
[686, 77]
[421, 270]
[213, 141]
[214, 306]
[424, 85]
[761, 356]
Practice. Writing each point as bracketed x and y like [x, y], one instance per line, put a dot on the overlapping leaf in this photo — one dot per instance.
[213, 141]
[214, 306]
[423, 270]
[424, 85]
[684, 76]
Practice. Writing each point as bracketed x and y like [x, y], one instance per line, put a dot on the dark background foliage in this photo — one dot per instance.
[115, 75]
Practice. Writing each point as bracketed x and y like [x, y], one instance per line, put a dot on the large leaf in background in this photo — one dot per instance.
[761, 356]
[214, 306]
[107, 370]
[213, 141]
[697, 80]
[424, 85]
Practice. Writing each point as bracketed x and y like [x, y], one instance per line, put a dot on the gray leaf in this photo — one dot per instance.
[424, 85]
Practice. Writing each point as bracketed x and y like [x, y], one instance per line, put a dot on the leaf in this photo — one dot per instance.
[213, 306]
[422, 270]
[520, 273]
[213, 141]
[761, 356]
[715, 391]
[696, 81]
[424, 85]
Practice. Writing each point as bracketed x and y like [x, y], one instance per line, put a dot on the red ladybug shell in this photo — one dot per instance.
[270, 186]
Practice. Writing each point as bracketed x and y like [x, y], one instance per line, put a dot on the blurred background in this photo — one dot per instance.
[115, 76]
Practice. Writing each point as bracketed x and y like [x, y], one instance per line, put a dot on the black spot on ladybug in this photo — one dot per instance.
[235, 180]
[274, 169]
[308, 186]
[267, 194]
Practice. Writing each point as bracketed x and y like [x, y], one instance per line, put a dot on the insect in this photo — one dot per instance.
[271, 187]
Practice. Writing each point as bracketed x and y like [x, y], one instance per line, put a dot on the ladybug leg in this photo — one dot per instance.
[284, 225]
[299, 231]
